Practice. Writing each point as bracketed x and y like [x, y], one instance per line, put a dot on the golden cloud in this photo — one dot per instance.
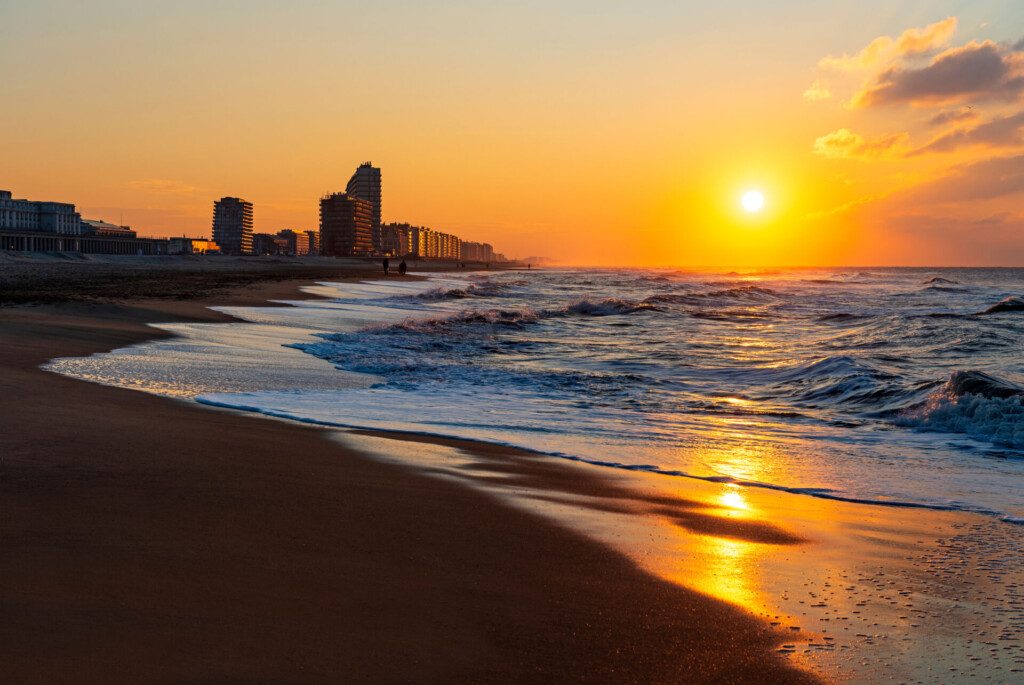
[979, 71]
[817, 91]
[885, 49]
[999, 132]
[845, 144]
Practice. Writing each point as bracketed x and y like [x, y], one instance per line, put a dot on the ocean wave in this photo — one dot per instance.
[843, 316]
[731, 315]
[943, 289]
[935, 280]
[745, 293]
[499, 317]
[975, 404]
[1009, 304]
[841, 381]
[518, 317]
[607, 307]
[482, 289]
[860, 277]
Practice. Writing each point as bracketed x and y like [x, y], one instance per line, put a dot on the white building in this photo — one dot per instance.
[40, 217]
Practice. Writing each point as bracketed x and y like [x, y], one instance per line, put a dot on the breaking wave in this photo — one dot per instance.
[1009, 304]
[975, 404]
[482, 289]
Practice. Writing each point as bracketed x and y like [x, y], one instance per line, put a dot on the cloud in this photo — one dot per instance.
[976, 70]
[953, 116]
[162, 186]
[817, 91]
[984, 180]
[884, 49]
[845, 144]
[999, 132]
[931, 223]
[915, 41]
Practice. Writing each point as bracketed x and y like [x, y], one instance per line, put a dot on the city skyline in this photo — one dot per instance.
[538, 134]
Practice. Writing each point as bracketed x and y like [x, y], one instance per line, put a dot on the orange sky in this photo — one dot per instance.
[590, 132]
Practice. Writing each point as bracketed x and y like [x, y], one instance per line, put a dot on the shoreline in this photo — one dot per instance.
[260, 519]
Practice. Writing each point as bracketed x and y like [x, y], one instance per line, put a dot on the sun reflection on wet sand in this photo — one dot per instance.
[733, 501]
[859, 593]
[725, 571]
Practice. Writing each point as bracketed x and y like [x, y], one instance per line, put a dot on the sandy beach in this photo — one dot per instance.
[152, 540]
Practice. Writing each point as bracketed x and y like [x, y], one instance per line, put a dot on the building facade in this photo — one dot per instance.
[421, 241]
[346, 226]
[295, 242]
[365, 184]
[232, 225]
[58, 218]
[92, 227]
[185, 245]
[477, 252]
[396, 239]
[265, 244]
[314, 242]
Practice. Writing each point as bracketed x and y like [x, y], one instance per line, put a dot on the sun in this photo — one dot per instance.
[752, 201]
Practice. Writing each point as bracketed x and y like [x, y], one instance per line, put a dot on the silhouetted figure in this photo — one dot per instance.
[402, 268]
[386, 264]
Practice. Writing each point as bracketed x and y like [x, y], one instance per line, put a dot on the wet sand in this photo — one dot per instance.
[864, 593]
[151, 540]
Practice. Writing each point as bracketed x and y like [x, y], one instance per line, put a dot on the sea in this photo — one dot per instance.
[895, 386]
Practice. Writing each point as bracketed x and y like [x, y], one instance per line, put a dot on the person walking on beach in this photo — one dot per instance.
[402, 268]
[387, 265]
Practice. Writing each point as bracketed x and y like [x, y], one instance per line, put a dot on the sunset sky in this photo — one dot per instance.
[594, 132]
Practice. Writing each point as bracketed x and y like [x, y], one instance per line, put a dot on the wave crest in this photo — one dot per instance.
[482, 289]
[1009, 304]
[608, 307]
[975, 404]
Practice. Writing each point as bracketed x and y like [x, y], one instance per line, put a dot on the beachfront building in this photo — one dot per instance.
[31, 216]
[346, 226]
[365, 184]
[477, 252]
[92, 227]
[232, 225]
[185, 245]
[270, 244]
[426, 243]
[32, 226]
[314, 242]
[395, 239]
[295, 242]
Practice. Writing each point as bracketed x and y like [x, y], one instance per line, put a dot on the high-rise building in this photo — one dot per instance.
[346, 226]
[296, 242]
[477, 252]
[365, 184]
[396, 239]
[265, 244]
[314, 242]
[232, 225]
